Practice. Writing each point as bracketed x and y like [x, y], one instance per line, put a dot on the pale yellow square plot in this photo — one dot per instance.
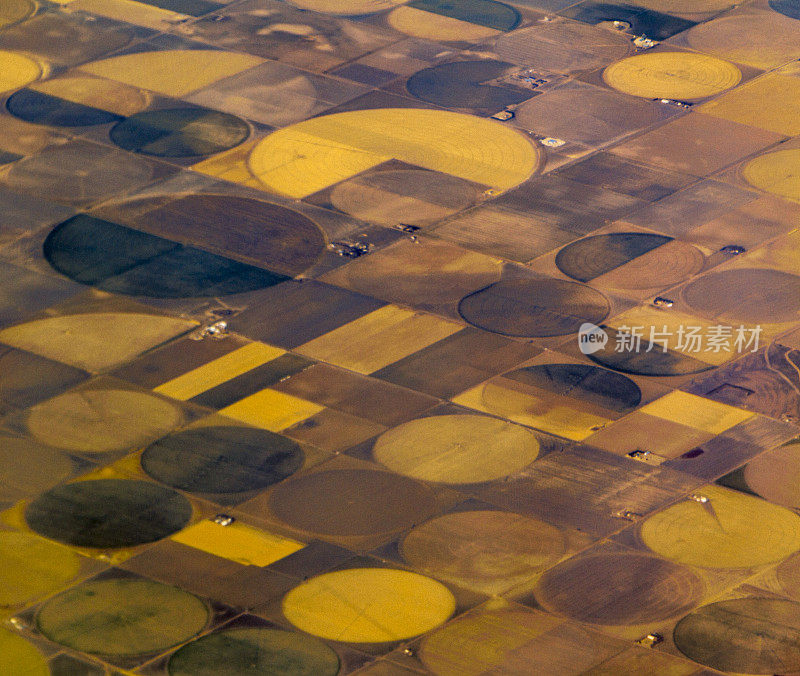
[218, 371]
[698, 412]
[378, 339]
[271, 410]
[560, 419]
[238, 542]
[137, 13]
[770, 102]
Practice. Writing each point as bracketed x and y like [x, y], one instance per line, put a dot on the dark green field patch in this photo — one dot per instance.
[655, 25]
[190, 7]
[108, 513]
[119, 259]
[790, 8]
[256, 651]
[40, 108]
[495, 15]
[459, 85]
[180, 132]
[222, 459]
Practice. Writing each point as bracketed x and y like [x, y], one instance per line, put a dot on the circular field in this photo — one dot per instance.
[347, 7]
[558, 47]
[589, 384]
[775, 475]
[534, 307]
[507, 641]
[731, 530]
[17, 656]
[351, 502]
[107, 339]
[776, 173]
[753, 636]
[318, 153]
[445, 21]
[119, 259]
[429, 272]
[641, 260]
[122, 617]
[16, 70]
[222, 459]
[368, 605]
[14, 11]
[618, 589]
[457, 449]
[99, 421]
[31, 568]
[644, 363]
[76, 101]
[672, 75]
[732, 37]
[746, 295]
[463, 84]
[257, 651]
[180, 132]
[108, 513]
[790, 8]
[410, 196]
[76, 173]
[489, 551]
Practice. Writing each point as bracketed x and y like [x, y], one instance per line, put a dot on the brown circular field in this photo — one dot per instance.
[617, 589]
[487, 550]
[351, 502]
[753, 636]
[534, 307]
[746, 295]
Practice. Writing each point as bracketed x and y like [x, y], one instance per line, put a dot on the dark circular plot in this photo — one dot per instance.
[108, 513]
[790, 8]
[616, 589]
[591, 257]
[466, 84]
[122, 260]
[534, 307]
[644, 363]
[222, 459]
[180, 132]
[746, 295]
[586, 383]
[39, 108]
[122, 617]
[351, 502]
[753, 636]
[270, 652]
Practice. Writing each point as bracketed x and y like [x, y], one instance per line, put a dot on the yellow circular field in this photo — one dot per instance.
[98, 421]
[16, 71]
[431, 26]
[318, 153]
[730, 530]
[368, 605]
[347, 7]
[672, 75]
[17, 656]
[31, 567]
[95, 341]
[778, 173]
[457, 449]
